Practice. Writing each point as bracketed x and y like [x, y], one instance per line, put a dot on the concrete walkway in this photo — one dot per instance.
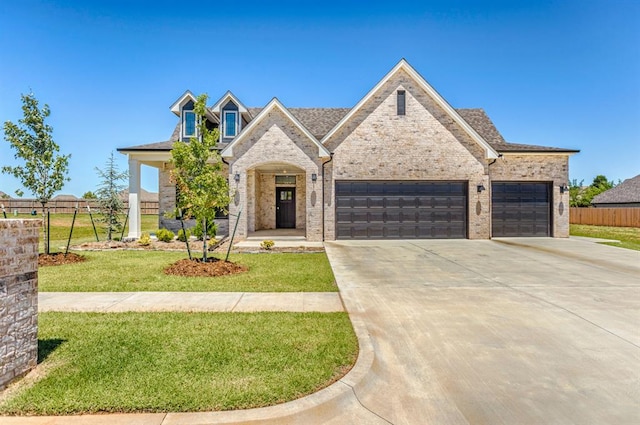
[111, 302]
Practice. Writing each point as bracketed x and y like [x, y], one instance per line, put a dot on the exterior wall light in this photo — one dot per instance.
[314, 177]
[564, 188]
[237, 177]
[481, 188]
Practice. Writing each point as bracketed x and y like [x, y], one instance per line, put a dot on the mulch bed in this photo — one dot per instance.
[196, 268]
[58, 259]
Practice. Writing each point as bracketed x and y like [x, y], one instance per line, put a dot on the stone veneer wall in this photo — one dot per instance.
[276, 140]
[18, 298]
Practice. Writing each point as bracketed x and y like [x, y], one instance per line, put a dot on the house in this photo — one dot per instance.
[400, 164]
[624, 195]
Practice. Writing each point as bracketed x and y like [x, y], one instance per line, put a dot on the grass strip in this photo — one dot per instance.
[130, 271]
[629, 237]
[178, 362]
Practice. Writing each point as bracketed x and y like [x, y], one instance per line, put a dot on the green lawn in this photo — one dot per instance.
[629, 237]
[161, 362]
[82, 228]
[124, 271]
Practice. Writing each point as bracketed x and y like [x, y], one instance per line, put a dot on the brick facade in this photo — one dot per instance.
[423, 144]
[429, 142]
[541, 168]
[18, 298]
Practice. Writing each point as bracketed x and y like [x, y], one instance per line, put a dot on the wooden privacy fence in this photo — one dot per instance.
[615, 217]
[25, 206]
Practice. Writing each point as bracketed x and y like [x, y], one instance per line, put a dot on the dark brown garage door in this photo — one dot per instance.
[521, 209]
[401, 210]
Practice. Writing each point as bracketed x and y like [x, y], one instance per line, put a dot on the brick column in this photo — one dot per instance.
[18, 298]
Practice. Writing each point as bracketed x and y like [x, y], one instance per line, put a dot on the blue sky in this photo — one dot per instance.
[556, 73]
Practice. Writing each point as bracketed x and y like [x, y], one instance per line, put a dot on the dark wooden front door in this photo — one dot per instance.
[285, 207]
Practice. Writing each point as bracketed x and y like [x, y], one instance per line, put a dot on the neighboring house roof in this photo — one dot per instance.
[145, 196]
[65, 197]
[626, 192]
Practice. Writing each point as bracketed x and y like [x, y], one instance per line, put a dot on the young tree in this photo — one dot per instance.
[44, 172]
[197, 174]
[108, 194]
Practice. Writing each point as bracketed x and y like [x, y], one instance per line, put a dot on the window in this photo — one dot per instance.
[401, 102]
[189, 124]
[285, 179]
[230, 124]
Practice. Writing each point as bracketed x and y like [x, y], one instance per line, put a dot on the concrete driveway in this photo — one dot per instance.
[509, 331]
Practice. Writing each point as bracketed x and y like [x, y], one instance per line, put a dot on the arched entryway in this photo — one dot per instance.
[280, 197]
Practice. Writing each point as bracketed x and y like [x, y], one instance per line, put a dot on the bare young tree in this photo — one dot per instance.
[44, 172]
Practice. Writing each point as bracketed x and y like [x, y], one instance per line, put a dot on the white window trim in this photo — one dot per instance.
[184, 127]
[224, 126]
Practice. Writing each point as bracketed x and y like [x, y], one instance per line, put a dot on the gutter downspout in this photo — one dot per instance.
[323, 174]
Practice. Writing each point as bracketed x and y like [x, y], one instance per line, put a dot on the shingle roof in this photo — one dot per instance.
[626, 192]
[145, 195]
[157, 146]
[319, 121]
[482, 124]
[65, 197]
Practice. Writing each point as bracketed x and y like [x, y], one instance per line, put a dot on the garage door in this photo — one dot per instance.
[521, 209]
[401, 210]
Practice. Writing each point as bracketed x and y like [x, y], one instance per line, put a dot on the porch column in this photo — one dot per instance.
[134, 199]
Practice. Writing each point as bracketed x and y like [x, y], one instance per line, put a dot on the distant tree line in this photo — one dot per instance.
[581, 196]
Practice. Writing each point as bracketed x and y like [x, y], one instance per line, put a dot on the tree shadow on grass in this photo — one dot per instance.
[46, 347]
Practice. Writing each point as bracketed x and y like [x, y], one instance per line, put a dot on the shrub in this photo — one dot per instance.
[268, 244]
[183, 236]
[212, 228]
[145, 239]
[165, 235]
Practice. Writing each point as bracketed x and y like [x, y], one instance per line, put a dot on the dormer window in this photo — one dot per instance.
[189, 124]
[230, 123]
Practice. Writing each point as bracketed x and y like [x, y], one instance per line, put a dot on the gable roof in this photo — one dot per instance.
[186, 96]
[625, 193]
[223, 100]
[274, 104]
[403, 65]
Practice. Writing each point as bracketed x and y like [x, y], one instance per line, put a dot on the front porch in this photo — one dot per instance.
[279, 201]
[283, 238]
